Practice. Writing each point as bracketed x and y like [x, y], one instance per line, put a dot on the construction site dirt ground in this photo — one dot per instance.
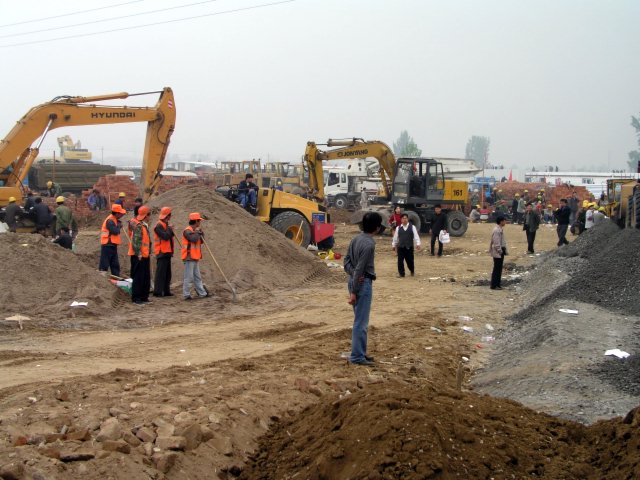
[260, 387]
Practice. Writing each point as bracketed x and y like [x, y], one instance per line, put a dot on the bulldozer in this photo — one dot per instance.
[417, 184]
[623, 202]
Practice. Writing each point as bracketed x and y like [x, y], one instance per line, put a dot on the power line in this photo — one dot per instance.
[69, 14]
[106, 19]
[236, 10]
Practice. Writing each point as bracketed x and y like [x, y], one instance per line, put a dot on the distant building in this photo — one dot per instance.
[595, 182]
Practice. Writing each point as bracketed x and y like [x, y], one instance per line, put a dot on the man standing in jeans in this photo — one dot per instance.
[359, 264]
[498, 249]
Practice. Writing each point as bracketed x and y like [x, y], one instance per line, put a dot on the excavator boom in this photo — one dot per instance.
[17, 154]
[349, 148]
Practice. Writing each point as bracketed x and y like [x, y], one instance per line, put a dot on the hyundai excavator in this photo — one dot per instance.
[17, 153]
[415, 184]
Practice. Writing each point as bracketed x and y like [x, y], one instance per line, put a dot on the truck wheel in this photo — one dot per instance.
[456, 223]
[293, 226]
[340, 202]
[415, 219]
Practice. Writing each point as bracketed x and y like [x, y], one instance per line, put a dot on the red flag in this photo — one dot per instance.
[510, 176]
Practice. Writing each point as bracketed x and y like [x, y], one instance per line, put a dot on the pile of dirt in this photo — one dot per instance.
[409, 432]
[553, 360]
[45, 278]
[252, 254]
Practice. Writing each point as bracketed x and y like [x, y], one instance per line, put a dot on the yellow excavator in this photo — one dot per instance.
[17, 153]
[415, 184]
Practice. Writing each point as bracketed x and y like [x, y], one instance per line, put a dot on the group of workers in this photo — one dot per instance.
[142, 242]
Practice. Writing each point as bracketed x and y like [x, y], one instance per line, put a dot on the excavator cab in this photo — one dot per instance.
[418, 181]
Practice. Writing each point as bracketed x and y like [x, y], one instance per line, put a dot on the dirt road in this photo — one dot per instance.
[220, 374]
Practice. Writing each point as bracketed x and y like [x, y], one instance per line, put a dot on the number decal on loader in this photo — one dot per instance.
[457, 193]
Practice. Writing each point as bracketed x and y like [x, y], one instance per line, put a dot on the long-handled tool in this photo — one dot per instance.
[223, 275]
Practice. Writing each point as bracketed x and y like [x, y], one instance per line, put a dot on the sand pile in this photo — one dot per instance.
[251, 254]
[41, 279]
[416, 433]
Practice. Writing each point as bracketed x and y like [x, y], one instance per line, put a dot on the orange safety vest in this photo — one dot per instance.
[190, 250]
[145, 248]
[105, 236]
[160, 245]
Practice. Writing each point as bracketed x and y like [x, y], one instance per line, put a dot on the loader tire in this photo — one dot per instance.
[456, 223]
[289, 224]
[415, 219]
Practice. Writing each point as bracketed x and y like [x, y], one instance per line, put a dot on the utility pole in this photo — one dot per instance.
[101, 155]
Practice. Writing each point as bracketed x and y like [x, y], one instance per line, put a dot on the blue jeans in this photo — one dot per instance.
[251, 195]
[192, 277]
[361, 320]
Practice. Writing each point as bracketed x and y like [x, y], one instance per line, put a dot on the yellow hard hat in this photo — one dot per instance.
[517, 194]
[49, 183]
[593, 204]
[121, 195]
[60, 199]
[500, 190]
[549, 206]
[526, 191]
[12, 199]
[477, 206]
[601, 209]
[585, 203]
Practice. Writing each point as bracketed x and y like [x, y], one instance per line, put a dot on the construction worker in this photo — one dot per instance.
[364, 199]
[438, 224]
[110, 239]
[248, 192]
[163, 250]
[192, 238]
[498, 250]
[474, 215]
[53, 189]
[599, 215]
[563, 216]
[140, 249]
[11, 213]
[589, 221]
[120, 200]
[279, 185]
[64, 239]
[525, 196]
[574, 206]
[514, 208]
[64, 218]
[30, 202]
[42, 215]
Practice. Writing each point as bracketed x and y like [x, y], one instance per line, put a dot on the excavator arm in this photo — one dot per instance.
[17, 154]
[349, 148]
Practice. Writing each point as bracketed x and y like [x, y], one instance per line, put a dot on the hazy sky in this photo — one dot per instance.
[550, 81]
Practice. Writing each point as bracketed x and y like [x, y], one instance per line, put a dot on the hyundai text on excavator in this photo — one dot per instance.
[416, 184]
[17, 155]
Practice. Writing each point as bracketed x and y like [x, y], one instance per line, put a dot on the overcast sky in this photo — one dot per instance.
[551, 82]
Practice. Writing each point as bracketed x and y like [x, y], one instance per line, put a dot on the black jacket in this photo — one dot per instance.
[43, 215]
[438, 224]
[562, 215]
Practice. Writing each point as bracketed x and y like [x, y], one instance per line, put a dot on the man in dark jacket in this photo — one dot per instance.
[514, 209]
[43, 216]
[439, 224]
[64, 239]
[531, 224]
[30, 202]
[11, 213]
[163, 250]
[248, 192]
[563, 216]
[574, 205]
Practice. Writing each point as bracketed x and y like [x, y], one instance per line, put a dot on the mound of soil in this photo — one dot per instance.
[419, 433]
[251, 253]
[45, 278]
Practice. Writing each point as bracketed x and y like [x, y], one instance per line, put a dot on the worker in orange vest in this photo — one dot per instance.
[140, 251]
[192, 237]
[110, 239]
[163, 250]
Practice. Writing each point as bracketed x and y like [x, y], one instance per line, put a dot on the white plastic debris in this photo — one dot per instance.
[467, 329]
[616, 352]
[488, 338]
[78, 304]
[569, 311]
[489, 327]
[436, 329]
[465, 318]
[465, 359]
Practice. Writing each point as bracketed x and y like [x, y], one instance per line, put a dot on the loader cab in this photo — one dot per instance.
[418, 181]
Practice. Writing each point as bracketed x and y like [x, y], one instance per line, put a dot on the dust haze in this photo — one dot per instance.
[551, 83]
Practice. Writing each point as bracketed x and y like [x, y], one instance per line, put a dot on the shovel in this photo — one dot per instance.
[233, 290]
